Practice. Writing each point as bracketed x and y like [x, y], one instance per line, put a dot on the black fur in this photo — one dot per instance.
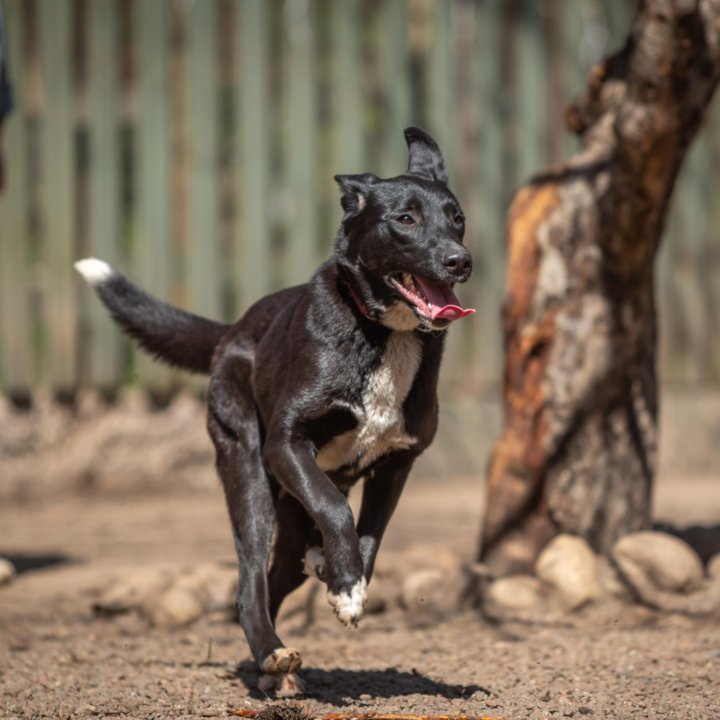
[293, 375]
[174, 336]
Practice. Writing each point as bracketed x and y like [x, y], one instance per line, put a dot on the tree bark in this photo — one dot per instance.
[578, 447]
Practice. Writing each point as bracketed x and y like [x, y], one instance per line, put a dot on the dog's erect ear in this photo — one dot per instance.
[355, 189]
[426, 160]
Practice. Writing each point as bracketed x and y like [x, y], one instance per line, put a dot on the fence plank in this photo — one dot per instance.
[304, 246]
[441, 114]
[574, 75]
[252, 157]
[395, 84]
[348, 101]
[554, 100]
[16, 358]
[152, 249]
[440, 109]
[683, 258]
[619, 20]
[105, 368]
[669, 302]
[348, 120]
[59, 282]
[711, 270]
[531, 85]
[204, 264]
[490, 257]
[696, 181]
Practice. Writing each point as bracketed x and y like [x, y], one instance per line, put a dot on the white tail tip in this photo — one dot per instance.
[93, 270]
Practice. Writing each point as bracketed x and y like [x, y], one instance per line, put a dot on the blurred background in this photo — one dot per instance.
[192, 144]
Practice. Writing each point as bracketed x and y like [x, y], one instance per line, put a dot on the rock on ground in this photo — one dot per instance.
[7, 571]
[170, 596]
[668, 562]
[569, 568]
[518, 594]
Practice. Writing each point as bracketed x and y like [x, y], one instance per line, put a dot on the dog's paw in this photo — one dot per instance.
[283, 660]
[349, 606]
[278, 673]
[314, 563]
[283, 685]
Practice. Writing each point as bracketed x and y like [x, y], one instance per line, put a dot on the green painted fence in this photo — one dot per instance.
[193, 144]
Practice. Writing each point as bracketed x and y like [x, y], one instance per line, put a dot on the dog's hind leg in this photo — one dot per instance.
[234, 428]
[294, 530]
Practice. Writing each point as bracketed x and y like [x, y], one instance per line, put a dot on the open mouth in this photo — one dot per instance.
[433, 301]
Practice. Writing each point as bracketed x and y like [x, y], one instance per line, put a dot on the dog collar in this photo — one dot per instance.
[361, 306]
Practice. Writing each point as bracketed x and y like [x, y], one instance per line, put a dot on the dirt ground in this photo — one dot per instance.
[59, 660]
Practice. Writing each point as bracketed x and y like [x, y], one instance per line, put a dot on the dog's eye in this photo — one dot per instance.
[459, 218]
[405, 219]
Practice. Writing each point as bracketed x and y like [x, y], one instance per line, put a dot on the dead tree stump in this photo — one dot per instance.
[578, 447]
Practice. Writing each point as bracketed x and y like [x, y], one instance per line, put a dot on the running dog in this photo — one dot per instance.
[320, 386]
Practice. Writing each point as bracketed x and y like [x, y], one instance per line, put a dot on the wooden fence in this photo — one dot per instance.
[192, 144]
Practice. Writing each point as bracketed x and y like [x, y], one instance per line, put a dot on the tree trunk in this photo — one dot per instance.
[577, 452]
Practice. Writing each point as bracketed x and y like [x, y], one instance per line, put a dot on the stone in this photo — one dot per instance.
[420, 587]
[611, 584]
[713, 567]
[514, 594]
[568, 567]
[433, 593]
[134, 590]
[668, 562]
[7, 571]
[181, 604]
[171, 596]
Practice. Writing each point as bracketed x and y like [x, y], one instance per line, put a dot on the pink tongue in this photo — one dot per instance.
[445, 304]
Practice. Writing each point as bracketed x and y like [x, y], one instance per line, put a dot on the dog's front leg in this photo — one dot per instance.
[380, 497]
[291, 461]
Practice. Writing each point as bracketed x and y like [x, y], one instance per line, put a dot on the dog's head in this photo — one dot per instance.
[400, 245]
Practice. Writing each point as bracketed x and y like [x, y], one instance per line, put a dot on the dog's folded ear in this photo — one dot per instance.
[426, 160]
[355, 189]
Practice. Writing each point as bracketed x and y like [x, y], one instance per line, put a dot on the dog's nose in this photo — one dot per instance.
[458, 262]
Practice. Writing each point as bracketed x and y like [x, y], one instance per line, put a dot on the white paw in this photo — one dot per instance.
[314, 564]
[349, 606]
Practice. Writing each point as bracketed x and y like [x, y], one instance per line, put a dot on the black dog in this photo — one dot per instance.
[319, 386]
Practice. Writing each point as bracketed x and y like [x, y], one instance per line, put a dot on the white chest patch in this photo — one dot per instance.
[381, 424]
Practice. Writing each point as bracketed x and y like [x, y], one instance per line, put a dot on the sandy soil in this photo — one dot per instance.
[58, 660]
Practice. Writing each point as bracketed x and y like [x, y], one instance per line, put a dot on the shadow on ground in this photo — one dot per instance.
[25, 563]
[342, 687]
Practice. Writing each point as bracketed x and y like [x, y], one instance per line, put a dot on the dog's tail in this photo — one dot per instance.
[174, 336]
